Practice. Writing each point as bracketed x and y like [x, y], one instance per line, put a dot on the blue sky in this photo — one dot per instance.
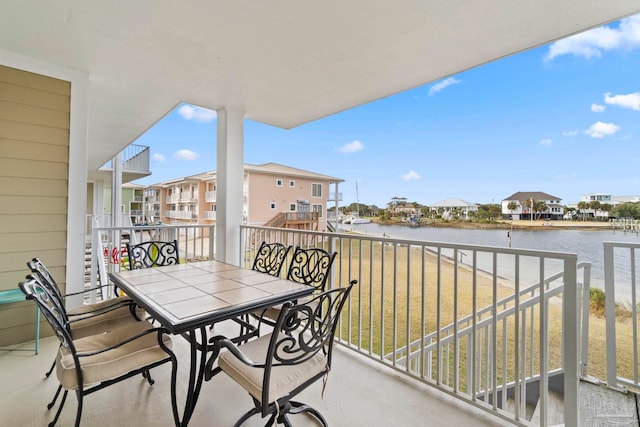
[563, 118]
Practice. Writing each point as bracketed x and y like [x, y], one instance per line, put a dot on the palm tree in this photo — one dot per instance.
[511, 206]
[539, 207]
[595, 205]
[583, 206]
[606, 207]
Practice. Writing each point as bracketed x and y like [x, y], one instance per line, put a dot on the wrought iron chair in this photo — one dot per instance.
[308, 266]
[88, 319]
[270, 258]
[89, 364]
[276, 367]
[153, 254]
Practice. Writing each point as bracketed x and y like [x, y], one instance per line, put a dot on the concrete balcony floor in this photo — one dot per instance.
[359, 392]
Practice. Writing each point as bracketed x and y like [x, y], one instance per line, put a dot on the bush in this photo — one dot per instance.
[596, 297]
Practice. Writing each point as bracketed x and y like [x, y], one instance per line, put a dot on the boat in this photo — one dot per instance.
[354, 218]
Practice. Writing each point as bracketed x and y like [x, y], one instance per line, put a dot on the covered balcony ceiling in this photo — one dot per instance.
[283, 63]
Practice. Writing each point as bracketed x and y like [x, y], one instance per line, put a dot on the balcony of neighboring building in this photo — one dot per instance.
[135, 164]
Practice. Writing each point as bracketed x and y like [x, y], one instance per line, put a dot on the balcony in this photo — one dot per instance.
[181, 214]
[410, 341]
[210, 196]
[135, 163]
[210, 215]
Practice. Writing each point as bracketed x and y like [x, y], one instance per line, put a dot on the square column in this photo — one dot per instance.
[230, 184]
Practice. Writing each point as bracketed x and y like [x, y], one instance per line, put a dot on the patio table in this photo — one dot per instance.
[187, 298]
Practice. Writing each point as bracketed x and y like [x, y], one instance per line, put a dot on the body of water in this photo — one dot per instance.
[586, 244]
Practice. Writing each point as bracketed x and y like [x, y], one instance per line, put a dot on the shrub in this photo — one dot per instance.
[596, 297]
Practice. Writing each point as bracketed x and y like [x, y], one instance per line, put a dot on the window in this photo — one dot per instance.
[292, 207]
[317, 208]
[278, 183]
[292, 183]
[316, 190]
[272, 206]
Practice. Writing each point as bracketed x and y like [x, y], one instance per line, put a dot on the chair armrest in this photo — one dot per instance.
[220, 342]
[160, 331]
[76, 317]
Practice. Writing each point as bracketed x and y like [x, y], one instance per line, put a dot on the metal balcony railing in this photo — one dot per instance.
[135, 158]
[487, 325]
[621, 304]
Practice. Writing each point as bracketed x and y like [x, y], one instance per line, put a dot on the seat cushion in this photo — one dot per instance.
[83, 323]
[283, 380]
[112, 363]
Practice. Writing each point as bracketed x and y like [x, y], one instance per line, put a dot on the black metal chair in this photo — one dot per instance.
[308, 266]
[88, 319]
[91, 363]
[276, 367]
[153, 254]
[270, 258]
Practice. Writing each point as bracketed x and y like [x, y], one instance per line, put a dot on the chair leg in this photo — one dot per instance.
[55, 397]
[147, 376]
[53, 365]
[79, 413]
[64, 399]
[248, 415]
[297, 407]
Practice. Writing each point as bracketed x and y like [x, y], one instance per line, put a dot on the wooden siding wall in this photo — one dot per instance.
[34, 170]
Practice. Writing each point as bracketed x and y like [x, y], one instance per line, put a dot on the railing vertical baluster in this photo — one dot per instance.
[423, 286]
[394, 337]
[517, 338]
[456, 355]
[544, 345]
[371, 290]
[475, 350]
[438, 316]
[634, 315]
[408, 317]
[610, 314]
[494, 333]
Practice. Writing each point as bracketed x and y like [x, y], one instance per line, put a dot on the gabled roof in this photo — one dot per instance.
[283, 63]
[528, 195]
[266, 168]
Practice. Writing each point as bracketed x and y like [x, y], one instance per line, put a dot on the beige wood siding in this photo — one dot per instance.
[34, 170]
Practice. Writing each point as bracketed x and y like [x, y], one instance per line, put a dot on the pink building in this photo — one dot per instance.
[273, 195]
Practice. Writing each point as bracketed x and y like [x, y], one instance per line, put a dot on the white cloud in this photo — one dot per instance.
[199, 114]
[185, 155]
[591, 44]
[158, 157]
[410, 176]
[600, 130]
[443, 84]
[631, 100]
[546, 141]
[597, 108]
[570, 133]
[352, 147]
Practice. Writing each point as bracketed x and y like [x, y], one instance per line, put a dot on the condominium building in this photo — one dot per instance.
[273, 194]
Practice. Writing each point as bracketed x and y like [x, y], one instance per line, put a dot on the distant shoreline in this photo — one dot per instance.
[506, 225]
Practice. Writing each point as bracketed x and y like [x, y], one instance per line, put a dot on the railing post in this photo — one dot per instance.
[610, 314]
[571, 341]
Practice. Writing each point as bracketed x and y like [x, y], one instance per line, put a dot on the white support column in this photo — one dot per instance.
[116, 191]
[230, 184]
[77, 187]
[98, 201]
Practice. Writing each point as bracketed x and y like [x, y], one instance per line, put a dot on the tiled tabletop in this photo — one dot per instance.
[187, 296]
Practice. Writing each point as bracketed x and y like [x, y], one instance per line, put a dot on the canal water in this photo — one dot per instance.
[586, 244]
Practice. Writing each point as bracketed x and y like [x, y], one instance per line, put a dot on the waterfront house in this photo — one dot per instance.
[454, 208]
[524, 206]
[80, 81]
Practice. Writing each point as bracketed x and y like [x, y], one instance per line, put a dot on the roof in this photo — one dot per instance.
[528, 195]
[453, 202]
[282, 63]
[266, 168]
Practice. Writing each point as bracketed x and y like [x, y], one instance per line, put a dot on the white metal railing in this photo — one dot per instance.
[209, 214]
[108, 245]
[456, 305]
[621, 300]
[210, 196]
[134, 158]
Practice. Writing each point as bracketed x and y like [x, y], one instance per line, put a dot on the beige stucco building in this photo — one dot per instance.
[273, 194]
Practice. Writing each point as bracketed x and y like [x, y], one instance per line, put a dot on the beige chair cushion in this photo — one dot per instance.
[112, 363]
[283, 378]
[84, 325]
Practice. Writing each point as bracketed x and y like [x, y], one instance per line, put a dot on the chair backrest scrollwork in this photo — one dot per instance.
[153, 254]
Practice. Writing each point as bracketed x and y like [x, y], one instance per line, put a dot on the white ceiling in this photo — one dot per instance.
[283, 62]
